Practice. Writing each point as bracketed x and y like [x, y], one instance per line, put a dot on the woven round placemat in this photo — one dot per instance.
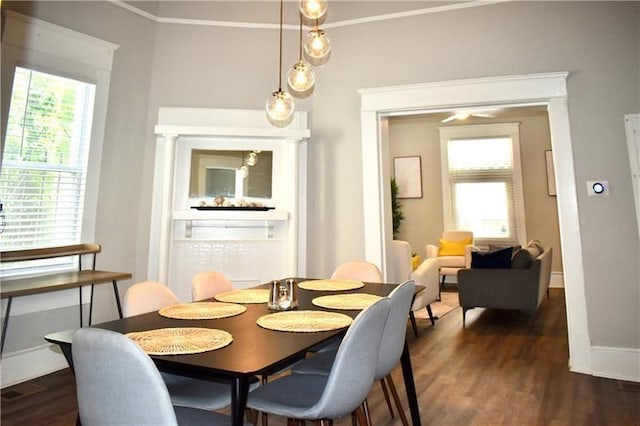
[180, 341]
[249, 295]
[202, 310]
[331, 285]
[351, 301]
[304, 321]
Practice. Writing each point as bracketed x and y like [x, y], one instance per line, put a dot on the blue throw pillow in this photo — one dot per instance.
[499, 259]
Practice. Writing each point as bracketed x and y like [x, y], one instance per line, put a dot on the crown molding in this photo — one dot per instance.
[338, 24]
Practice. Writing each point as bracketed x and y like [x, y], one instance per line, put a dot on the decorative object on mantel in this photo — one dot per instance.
[280, 105]
[220, 203]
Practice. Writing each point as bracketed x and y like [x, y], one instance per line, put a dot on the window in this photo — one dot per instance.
[482, 187]
[44, 167]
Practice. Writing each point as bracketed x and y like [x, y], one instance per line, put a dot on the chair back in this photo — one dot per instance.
[401, 261]
[207, 284]
[146, 297]
[358, 270]
[457, 235]
[354, 367]
[117, 383]
[395, 330]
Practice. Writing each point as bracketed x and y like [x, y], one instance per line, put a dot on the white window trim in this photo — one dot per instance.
[511, 130]
[39, 45]
[42, 46]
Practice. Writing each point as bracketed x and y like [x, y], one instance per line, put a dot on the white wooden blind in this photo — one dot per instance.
[42, 181]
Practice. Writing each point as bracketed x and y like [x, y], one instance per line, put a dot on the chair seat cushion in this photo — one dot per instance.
[289, 396]
[319, 364]
[451, 261]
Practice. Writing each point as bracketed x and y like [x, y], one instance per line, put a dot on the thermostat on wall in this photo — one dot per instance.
[597, 187]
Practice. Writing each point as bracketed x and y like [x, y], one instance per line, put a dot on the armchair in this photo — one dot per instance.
[426, 274]
[453, 253]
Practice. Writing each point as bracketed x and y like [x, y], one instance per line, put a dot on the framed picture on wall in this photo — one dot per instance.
[408, 176]
[551, 174]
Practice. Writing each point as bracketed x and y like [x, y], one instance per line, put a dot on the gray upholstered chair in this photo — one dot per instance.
[390, 348]
[342, 391]
[207, 284]
[118, 384]
[151, 296]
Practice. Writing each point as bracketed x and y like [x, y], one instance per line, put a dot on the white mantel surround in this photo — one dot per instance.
[249, 247]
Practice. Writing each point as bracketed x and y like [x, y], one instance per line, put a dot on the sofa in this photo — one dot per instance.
[515, 280]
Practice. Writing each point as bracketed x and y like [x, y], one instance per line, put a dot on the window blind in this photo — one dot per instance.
[42, 181]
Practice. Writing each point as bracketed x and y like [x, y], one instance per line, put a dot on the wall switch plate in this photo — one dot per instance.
[597, 188]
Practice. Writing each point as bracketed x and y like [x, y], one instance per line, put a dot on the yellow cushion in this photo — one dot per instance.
[453, 248]
[416, 260]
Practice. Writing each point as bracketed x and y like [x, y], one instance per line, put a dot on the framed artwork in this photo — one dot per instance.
[408, 176]
[551, 174]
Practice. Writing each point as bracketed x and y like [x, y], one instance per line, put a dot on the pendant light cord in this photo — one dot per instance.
[300, 58]
[280, 64]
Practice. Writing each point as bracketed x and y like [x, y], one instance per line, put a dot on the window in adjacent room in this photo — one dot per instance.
[44, 167]
[482, 184]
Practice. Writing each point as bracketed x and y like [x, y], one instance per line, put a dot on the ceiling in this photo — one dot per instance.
[267, 11]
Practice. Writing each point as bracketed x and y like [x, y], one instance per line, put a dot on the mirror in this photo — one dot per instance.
[232, 174]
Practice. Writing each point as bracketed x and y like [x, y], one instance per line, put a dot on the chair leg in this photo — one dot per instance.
[252, 416]
[386, 397]
[367, 414]
[362, 417]
[412, 317]
[431, 317]
[396, 398]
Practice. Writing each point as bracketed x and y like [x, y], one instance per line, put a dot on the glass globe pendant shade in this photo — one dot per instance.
[313, 9]
[253, 159]
[280, 108]
[244, 171]
[301, 77]
[317, 45]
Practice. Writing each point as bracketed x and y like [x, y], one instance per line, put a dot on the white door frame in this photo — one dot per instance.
[547, 89]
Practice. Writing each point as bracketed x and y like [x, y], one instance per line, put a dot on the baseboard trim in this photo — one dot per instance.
[557, 280]
[30, 363]
[616, 363]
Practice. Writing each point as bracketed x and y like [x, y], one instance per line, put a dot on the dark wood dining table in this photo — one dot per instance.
[255, 351]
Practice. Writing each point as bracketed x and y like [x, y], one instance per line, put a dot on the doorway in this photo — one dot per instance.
[546, 89]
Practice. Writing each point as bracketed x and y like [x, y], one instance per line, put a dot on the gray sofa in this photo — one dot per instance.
[519, 287]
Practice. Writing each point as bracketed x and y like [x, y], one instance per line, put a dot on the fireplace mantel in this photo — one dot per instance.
[180, 129]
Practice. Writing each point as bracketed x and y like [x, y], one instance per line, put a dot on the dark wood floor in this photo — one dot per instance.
[503, 368]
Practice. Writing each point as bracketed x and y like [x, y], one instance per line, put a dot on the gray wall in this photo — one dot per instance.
[598, 43]
[424, 223]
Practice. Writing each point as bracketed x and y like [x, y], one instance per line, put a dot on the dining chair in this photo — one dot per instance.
[118, 384]
[207, 284]
[151, 296]
[147, 296]
[342, 391]
[358, 270]
[389, 353]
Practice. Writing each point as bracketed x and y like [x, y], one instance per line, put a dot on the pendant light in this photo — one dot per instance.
[317, 47]
[301, 78]
[313, 9]
[244, 170]
[280, 105]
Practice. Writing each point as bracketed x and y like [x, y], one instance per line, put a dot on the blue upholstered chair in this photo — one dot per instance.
[118, 384]
[342, 391]
[151, 296]
[390, 348]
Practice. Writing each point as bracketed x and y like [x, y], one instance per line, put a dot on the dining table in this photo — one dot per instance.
[254, 351]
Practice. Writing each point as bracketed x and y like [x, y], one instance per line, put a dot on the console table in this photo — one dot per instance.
[55, 281]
